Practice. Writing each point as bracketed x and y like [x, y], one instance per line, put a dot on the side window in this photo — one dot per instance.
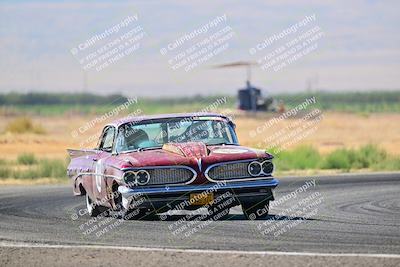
[107, 139]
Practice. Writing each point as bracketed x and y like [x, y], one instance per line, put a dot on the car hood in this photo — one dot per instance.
[187, 154]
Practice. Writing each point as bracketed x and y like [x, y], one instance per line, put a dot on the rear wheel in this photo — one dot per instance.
[93, 209]
[254, 211]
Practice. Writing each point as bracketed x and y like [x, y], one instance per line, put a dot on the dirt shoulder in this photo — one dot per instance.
[70, 256]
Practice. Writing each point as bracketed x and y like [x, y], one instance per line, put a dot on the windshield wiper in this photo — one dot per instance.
[222, 143]
[148, 148]
[127, 151]
[140, 149]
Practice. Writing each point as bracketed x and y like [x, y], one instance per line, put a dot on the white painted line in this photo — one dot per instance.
[203, 251]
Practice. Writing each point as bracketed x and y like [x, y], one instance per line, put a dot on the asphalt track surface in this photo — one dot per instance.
[340, 214]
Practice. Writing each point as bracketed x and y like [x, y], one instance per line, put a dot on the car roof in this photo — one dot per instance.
[139, 118]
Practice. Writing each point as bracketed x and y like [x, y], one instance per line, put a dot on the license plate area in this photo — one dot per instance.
[201, 199]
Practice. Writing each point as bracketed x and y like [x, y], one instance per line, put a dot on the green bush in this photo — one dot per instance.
[390, 164]
[5, 172]
[31, 173]
[52, 168]
[366, 157]
[339, 159]
[44, 168]
[303, 157]
[26, 159]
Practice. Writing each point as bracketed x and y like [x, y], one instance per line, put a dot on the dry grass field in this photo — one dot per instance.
[302, 146]
[335, 130]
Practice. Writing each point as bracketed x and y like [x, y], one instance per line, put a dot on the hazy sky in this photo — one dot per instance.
[359, 48]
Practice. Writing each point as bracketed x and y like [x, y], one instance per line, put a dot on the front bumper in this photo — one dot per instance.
[168, 197]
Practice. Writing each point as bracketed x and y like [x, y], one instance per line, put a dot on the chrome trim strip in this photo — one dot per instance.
[236, 179]
[270, 183]
[93, 173]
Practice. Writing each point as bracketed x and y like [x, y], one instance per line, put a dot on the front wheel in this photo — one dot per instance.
[254, 211]
[93, 209]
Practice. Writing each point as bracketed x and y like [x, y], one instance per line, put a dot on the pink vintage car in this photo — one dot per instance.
[152, 164]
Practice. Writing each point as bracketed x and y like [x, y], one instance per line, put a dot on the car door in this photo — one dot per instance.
[104, 153]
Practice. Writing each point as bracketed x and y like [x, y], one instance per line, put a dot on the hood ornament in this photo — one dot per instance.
[199, 163]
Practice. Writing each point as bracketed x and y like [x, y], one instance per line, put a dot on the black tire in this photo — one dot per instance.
[93, 209]
[254, 211]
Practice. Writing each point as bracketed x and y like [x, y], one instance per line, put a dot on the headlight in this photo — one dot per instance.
[256, 168]
[129, 178]
[143, 177]
[140, 177]
[267, 167]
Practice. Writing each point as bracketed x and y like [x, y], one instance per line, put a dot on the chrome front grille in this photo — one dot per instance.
[227, 171]
[238, 170]
[170, 175]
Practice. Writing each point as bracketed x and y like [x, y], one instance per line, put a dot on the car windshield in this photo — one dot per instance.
[154, 134]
